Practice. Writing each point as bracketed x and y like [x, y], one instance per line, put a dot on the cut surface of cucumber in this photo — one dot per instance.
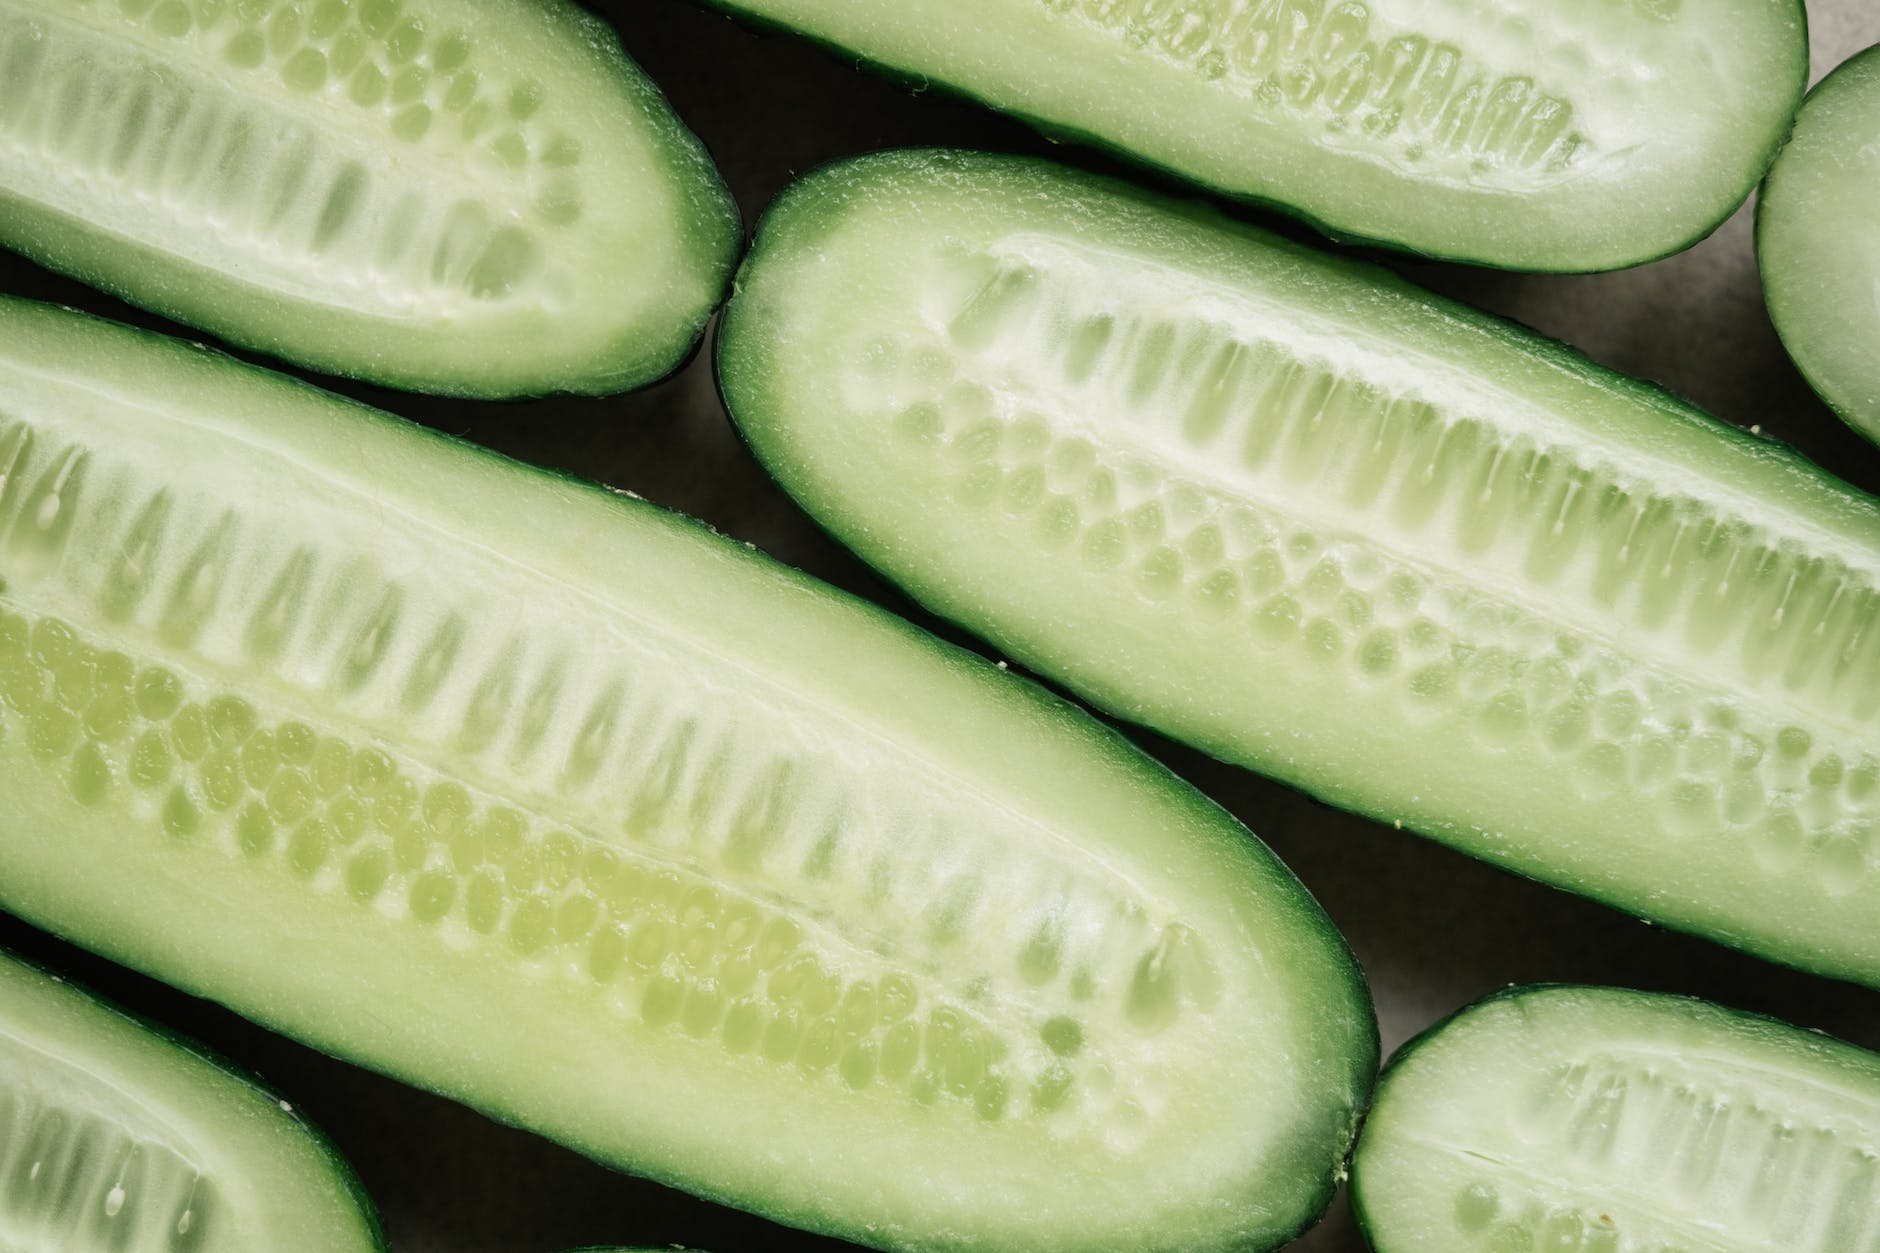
[1528, 134]
[1606, 1121]
[1818, 242]
[1289, 509]
[116, 1137]
[557, 803]
[477, 197]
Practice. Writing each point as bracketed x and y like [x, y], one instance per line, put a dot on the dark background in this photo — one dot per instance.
[1433, 929]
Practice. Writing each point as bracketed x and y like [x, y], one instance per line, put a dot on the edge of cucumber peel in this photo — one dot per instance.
[252, 1081]
[712, 216]
[1662, 401]
[1110, 744]
[1847, 417]
[1182, 184]
[1361, 1212]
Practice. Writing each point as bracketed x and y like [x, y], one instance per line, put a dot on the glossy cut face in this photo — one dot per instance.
[742, 852]
[1818, 242]
[478, 197]
[1539, 134]
[115, 1138]
[1313, 521]
[58, 1125]
[1605, 1121]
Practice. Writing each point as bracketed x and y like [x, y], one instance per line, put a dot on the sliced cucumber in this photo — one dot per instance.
[1592, 1120]
[114, 1136]
[561, 805]
[479, 197]
[1530, 134]
[1818, 242]
[1296, 512]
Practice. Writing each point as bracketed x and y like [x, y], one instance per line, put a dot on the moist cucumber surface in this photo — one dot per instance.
[1289, 509]
[1606, 1121]
[1818, 242]
[477, 197]
[557, 803]
[1526, 134]
[117, 1137]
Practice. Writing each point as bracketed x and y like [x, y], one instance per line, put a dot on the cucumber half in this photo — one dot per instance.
[1818, 242]
[556, 803]
[477, 197]
[1593, 1120]
[1304, 516]
[1528, 134]
[115, 1136]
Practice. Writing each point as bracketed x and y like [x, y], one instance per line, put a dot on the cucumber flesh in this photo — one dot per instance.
[479, 197]
[1818, 242]
[114, 1136]
[1529, 135]
[1295, 512]
[553, 802]
[1602, 1121]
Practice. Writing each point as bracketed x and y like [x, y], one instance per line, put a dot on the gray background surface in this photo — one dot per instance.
[1433, 929]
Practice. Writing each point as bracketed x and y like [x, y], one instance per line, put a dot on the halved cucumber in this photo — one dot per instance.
[1528, 134]
[115, 1136]
[479, 197]
[1296, 512]
[557, 803]
[1818, 242]
[1593, 1120]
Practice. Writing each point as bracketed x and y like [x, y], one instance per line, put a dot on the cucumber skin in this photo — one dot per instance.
[163, 1035]
[1847, 415]
[1760, 1024]
[1060, 132]
[207, 365]
[1773, 454]
[174, 288]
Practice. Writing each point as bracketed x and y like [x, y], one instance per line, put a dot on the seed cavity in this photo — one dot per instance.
[1721, 768]
[1678, 1131]
[71, 1177]
[672, 948]
[1336, 65]
[107, 100]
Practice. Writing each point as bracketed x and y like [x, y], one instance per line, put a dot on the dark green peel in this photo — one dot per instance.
[1533, 136]
[472, 197]
[1608, 1121]
[115, 1134]
[1296, 512]
[551, 801]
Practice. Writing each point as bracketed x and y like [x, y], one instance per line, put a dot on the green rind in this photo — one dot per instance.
[213, 1079]
[813, 208]
[1810, 1046]
[1342, 228]
[502, 362]
[1298, 936]
[1789, 311]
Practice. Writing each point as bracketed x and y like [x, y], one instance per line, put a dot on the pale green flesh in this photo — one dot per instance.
[562, 806]
[1530, 134]
[1323, 525]
[482, 197]
[1591, 1120]
[1818, 242]
[115, 1139]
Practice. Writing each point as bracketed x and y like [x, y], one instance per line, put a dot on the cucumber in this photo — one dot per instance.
[117, 1136]
[477, 197]
[1295, 512]
[1818, 242]
[1595, 1120]
[556, 803]
[1529, 134]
